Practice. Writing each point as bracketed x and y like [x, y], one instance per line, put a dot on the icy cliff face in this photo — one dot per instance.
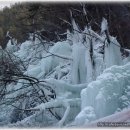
[108, 94]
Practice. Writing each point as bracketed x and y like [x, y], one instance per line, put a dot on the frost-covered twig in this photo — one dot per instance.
[65, 21]
[8, 35]
[127, 50]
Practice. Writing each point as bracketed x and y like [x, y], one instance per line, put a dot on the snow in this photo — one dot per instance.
[86, 115]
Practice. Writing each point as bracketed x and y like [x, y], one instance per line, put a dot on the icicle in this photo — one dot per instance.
[69, 37]
[75, 32]
[88, 60]
[78, 72]
[112, 53]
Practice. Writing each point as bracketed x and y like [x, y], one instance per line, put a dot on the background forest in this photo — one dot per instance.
[54, 19]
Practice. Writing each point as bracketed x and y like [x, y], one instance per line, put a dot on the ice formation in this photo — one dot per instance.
[109, 93]
[112, 53]
[84, 70]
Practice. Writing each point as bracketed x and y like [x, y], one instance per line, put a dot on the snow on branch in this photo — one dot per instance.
[65, 21]
[127, 50]
[8, 35]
